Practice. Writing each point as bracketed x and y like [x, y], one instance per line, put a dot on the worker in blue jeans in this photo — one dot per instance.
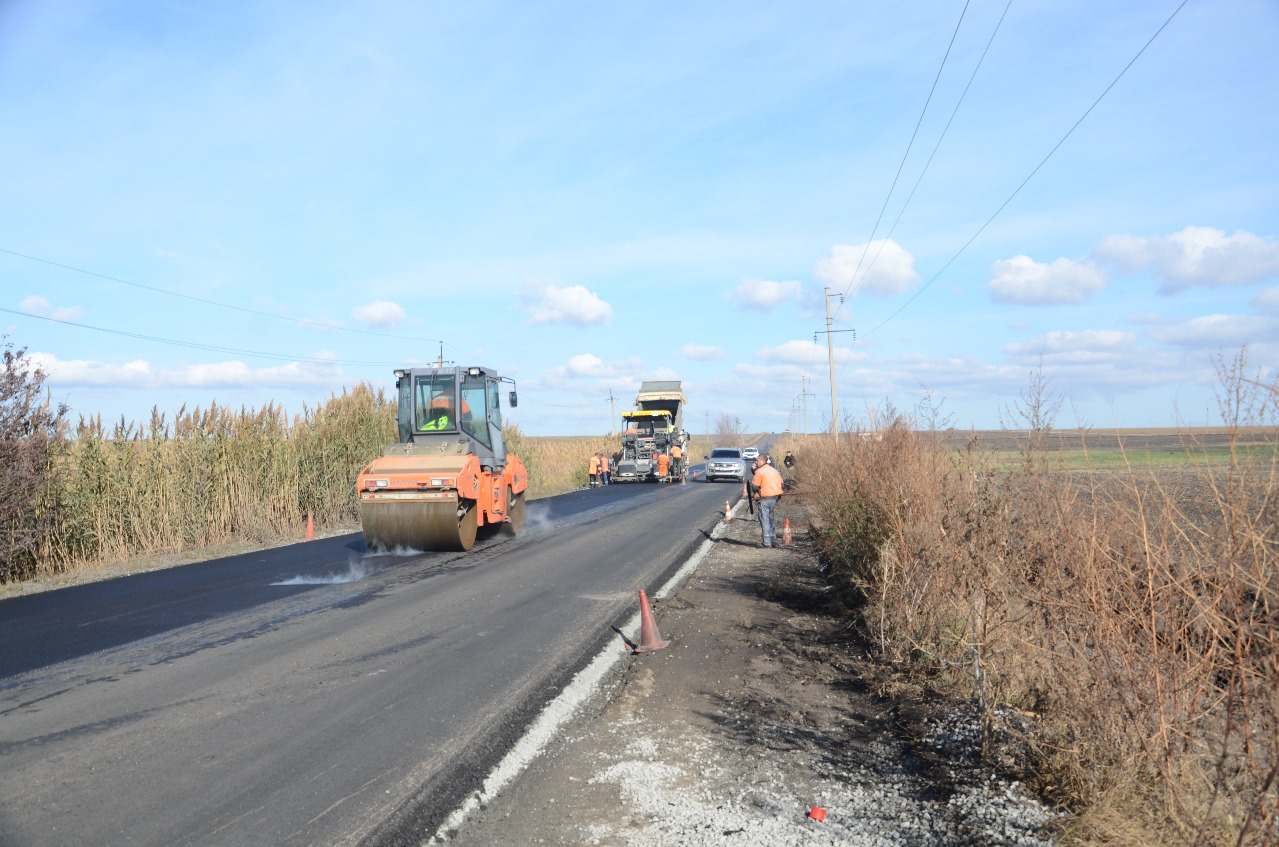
[767, 482]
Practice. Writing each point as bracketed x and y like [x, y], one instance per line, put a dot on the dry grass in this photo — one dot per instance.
[1133, 612]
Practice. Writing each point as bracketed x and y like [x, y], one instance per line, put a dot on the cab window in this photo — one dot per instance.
[475, 408]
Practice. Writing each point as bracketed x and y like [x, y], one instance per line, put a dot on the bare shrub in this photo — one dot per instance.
[1134, 614]
[30, 434]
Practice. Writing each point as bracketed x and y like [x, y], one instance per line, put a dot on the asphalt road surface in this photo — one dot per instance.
[314, 694]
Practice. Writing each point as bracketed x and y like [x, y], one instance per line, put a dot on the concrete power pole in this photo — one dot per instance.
[612, 414]
[830, 356]
[804, 394]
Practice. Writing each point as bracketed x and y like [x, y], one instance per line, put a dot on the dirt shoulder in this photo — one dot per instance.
[762, 707]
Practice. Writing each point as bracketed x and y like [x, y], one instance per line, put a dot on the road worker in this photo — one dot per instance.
[604, 470]
[593, 469]
[767, 485]
[663, 467]
[440, 414]
[677, 461]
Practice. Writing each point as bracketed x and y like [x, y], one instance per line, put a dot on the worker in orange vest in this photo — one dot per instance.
[593, 469]
[663, 467]
[767, 487]
[677, 460]
[604, 468]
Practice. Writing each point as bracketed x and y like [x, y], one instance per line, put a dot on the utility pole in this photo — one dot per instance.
[612, 414]
[439, 363]
[708, 424]
[830, 355]
[804, 394]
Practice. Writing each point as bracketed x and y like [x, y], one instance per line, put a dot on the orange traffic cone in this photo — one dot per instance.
[786, 539]
[650, 638]
[728, 512]
[310, 528]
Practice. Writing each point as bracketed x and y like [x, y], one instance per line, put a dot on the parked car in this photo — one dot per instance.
[751, 453]
[725, 463]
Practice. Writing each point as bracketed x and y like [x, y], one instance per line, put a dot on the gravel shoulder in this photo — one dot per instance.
[764, 706]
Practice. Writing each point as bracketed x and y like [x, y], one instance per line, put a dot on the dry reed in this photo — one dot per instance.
[208, 477]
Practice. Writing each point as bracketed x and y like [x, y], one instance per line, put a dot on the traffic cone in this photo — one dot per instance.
[650, 638]
[728, 512]
[786, 539]
[310, 528]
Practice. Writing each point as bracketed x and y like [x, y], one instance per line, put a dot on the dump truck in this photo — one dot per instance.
[653, 427]
[449, 477]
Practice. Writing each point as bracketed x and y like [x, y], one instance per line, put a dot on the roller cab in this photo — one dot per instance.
[449, 478]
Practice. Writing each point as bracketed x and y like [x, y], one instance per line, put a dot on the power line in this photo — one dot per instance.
[246, 310]
[852, 282]
[888, 235]
[196, 346]
[1018, 189]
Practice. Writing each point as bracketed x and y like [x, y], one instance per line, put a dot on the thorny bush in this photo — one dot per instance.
[1123, 624]
[30, 433]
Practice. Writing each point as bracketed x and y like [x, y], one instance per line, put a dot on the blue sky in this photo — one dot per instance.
[247, 202]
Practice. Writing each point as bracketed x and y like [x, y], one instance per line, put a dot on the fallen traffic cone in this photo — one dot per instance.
[728, 513]
[310, 528]
[650, 638]
[786, 539]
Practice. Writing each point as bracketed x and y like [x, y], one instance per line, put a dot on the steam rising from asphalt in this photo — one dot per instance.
[538, 522]
[356, 571]
[397, 550]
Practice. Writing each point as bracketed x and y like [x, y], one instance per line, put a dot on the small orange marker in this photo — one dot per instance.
[817, 813]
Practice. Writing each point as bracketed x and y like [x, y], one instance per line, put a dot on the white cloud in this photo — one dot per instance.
[1025, 281]
[34, 304]
[142, 374]
[1229, 331]
[886, 268]
[574, 304]
[380, 313]
[587, 364]
[1091, 345]
[590, 366]
[1197, 255]
[1268, 299]
[806, 353]
[763, 294]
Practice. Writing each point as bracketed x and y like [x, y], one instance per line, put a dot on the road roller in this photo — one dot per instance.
[449, 478]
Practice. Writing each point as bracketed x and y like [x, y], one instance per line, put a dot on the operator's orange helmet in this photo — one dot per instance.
[441, 402]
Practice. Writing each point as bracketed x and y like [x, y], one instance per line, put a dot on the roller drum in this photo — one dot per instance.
[418, 524]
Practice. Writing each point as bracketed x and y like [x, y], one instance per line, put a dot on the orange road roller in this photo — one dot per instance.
[449, 478]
